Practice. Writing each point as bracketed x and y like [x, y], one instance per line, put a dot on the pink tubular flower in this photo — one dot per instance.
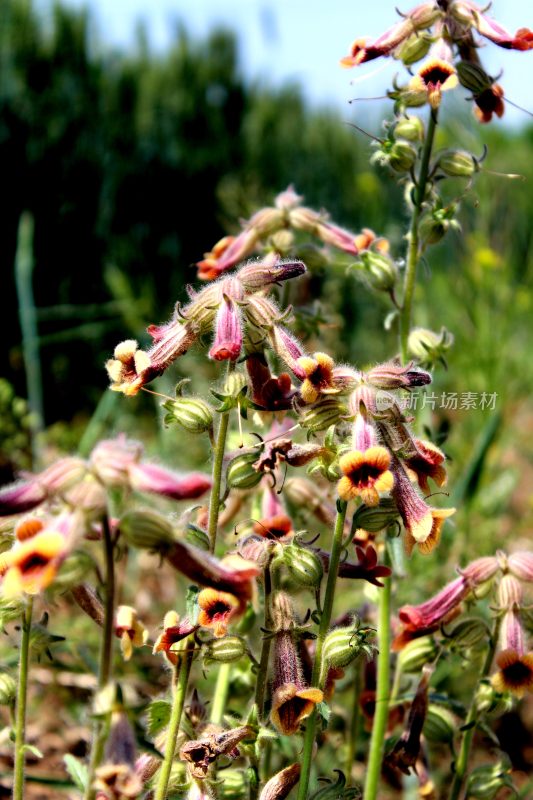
[226, 253]
[159, 480]
[521, 565]
[228, 332]
[231, 574]
[466, 10]
[434, 611]
[515, 672]
[54, 480]
[287, 348]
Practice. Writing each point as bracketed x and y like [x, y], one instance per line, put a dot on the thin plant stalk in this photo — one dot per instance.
[469, 728]
[220, 696]
[262, 674]
[355, 720]
[318, 675]
[413, 249]
[381, 713]
[20, 719]
[182, 672]
[214, 500]
[101, 727]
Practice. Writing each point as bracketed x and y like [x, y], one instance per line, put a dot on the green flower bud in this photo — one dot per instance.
[234, 786]
[375, 518]
[380, 270]
[225, 650]
[409, 128]
[234, 384]
[417, 653]
[457, 164]
[192, 413]
[303, 565]
[402, 156]
[146, 529]
[492, 703]
[414, 49]
[73, 571]
[473, 77]
[486, 782]
[8, 689]
[440, 724]
[197, 537]
[241, 473]
[427, 346]
[11, 608]
[282, 242]
[469, 633]
[343, 645]
[322, 415]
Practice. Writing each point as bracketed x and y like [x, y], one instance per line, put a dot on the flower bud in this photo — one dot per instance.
[417, 653]
[521, 565]
[486, 782]
[414, 49]
[261, 311]
[225, 650]
[192, 413]
[473, 77]
[409, 128]
[146, 529]
[234, 384]
[490, 702]
[11, 608]
[380, 270]
[402, 156]
[257, 276]
[282, 241]
[8, 689]
[303, 565]
[440, 724]
[233, 787]
[342, 646]
[197, 537]
[241, 473]
[73, 571]
[322, 415]
[510, 593]
[469, 633]
[457, 164]
[375, 518]
[279, 786]
[427, 346]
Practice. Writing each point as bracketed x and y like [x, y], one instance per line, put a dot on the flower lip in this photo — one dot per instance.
[515, 674]
[217, 609]
[365, 474]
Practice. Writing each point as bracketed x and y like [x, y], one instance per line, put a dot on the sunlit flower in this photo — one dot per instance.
[174, 631]
[217, 610]
[317, 374]
[365, 475]
[433, 78]
[31, 566]
[130, 630]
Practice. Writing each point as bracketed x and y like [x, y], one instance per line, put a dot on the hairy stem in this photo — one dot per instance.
[214, 500]
[101, 727]
[20, 720]
[413, 249]
[220, 695]
[318, 675]
[182, 672]
[469, 728]
[381, 713]
[262, 674]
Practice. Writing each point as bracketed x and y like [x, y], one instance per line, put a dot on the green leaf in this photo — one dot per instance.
[77, 771]
[158, 716]
[34, 751]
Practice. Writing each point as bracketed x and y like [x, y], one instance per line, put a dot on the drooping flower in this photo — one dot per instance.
[174, 631]
[405, 752]
[201, 753]
[515, 672]
[217, 609]
[427, 463]
[129, 630]
[433, 78]
[55, 480]
[472, 13]
[365, 474]
[320, 376]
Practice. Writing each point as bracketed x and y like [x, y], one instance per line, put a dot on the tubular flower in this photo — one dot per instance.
[427, 463]
[293, 701]
[515, 665]
[129, 630]
[226, 253]
[473, 14]
[275, 524]
[320, 376]
[32, 565]
[433, 78]
[434, 611]
[217, 609]
[55, 480]
[228, 333]
[174, 631]
[365, 475]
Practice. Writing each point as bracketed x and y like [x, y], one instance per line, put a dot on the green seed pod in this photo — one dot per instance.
[402, 156]
[457, 164]
[282, 242]
[473, 77]
[192, 413]
[146, 529]
[486, 782]
[375, 518]
[380, 270]
[233, 787]
[428, 346]
[469, 633]
[409, 128]
[440, 724]
[11, 608]
[73, 571]
[304, 566]
[341, 647]
[234, 384]
[492, 703]
[321, 416]
[8, 689]
[414, 49]
[225, 650]
[417, 653]
[197, 537]
[432, 229]
[241, 473]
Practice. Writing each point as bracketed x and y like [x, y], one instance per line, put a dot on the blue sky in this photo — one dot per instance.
[303, 40]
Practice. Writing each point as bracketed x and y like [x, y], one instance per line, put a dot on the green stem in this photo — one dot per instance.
[20, 724]
[354, 722]
[469, 727]
[178, 701]
[318, 675]
[381, 713]
[413, 249]
[220, 696]
[101, 726]
[214, 500]
[262, 674]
